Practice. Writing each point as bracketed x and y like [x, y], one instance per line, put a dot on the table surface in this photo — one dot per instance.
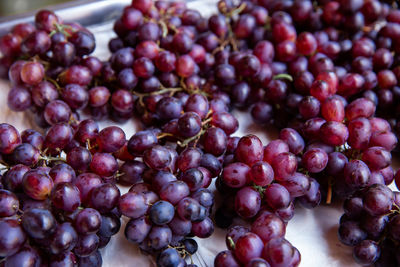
[313, 232]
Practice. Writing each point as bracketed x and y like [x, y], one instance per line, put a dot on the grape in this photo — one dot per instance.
[273, 149]
[38, 223]
[76, 74]
[12, 237]
[169, 257]
[136, 230]
[279, 252]
[63, 259]
[159, 237]
[356, 173]
[174, 191]
[376, 158]
[225, 258]
[189, 124]
[104, 197]
[65, 238]
[25, 255]
[262, 173]
[366, 252]
[9, 137]
[104, 164]
[87, 221]
[319, 75]
[26, 154]
[84, 42]
[161, 212]
[86, 245]
[378, 200]
[334, 133]
[75, 96]
[268, 226]
[247, 247]
[157, 157]
[79, 158]
[277, 196]
[19, 99]
[37, 184]
[203, 229]
[247, 202]
[132, 205]
[351, 234]
[66, 196]
[249, 150]
[284, 165]
[315, 160]
[86, 182]
[193, 178]
[359, 133]
[236, 175]
[91, 260]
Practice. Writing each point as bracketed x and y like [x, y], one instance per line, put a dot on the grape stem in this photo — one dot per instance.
[61, 28]
[188, 140]
[237, 10]
[231, 242]
[283, 76]
[119, 174]
[54, 82]
[329, 193]
[163, 135]
[6, 166]
[206, 121]
[160, 92]
[47, 158]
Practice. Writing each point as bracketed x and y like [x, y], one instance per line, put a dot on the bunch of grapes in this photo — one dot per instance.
[159, 65]
[261, 183]
[263, 245]
[319, 71]
[257, 179]
[50, 69]
[370, 225]
[59, 202]
[169, 200]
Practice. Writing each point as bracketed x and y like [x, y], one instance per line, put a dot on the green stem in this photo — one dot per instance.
[329, 193]
[163, 135]
[54, 82]
[47, 158]
[284, 76]
[231, 243]
[187, 141]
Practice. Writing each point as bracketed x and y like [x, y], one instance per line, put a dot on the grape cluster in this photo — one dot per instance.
[59, 201]
[321, 72]
[370, 225]
[51, 68]
[169, 200]
[262, 183]
[256, 179]
[262, 245]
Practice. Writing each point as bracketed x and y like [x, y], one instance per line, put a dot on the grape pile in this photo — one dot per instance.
[325, 73]
[263, 184]
[59, 201]
[257, 179]
[370, 225]
[257, 248]
[50, 69]
[172, 202]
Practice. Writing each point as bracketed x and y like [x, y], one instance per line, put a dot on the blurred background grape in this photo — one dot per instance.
[11, 7]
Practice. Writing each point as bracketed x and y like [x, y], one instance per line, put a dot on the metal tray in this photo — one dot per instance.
[86, 12]
[312, 232]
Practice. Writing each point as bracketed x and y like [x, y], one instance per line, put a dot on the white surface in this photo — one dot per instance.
[313, 232]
